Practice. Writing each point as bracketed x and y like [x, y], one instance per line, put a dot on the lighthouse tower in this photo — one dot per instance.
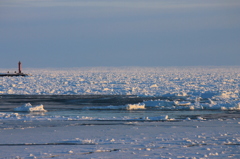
[19, 67]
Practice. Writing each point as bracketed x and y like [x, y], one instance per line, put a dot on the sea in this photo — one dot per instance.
[109, 108]
[128, 112]
[122, 94]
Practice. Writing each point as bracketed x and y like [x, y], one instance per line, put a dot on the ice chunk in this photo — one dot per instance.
[154, 86]
[106, 89]
[177, 103]
[135, 106]
[226, 95]
[181, 94]
[163, 117]
[238, 106]
[191, 108]
[29, 108]
[9, 115]
[200, 118]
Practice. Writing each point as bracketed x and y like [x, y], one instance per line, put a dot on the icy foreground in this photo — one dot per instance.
[69, 139]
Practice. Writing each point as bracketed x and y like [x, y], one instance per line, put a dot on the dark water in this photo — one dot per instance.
[69, 102]
[74, 105]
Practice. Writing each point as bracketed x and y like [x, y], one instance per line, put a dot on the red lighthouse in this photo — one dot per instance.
[19, 67]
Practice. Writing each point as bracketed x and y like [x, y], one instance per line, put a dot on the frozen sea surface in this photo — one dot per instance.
[102, 93]
[126, 112]
[159, 81]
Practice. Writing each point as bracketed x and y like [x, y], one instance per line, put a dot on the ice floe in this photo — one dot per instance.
[135, 106]
[184, 103]
[208, 104]
[29, 108]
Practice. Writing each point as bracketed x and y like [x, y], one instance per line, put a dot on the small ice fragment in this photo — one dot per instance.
[223, 108]
[191, 108]
[154, 86]
[181, 94]
[135, 106]
[106, 89]
[163, 117]
[212, 102]
[177, 103]
[29, 108]
[238, 106]
[200, 118]
[32, 156]
[148, 149]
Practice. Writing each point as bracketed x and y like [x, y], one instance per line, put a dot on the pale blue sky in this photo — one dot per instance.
[82, 33]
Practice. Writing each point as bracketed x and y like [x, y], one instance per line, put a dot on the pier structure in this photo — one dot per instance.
[19, 73]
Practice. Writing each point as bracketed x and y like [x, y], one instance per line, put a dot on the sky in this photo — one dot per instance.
[148, 33]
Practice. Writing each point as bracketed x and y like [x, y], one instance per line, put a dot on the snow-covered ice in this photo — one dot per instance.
[223, 82]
